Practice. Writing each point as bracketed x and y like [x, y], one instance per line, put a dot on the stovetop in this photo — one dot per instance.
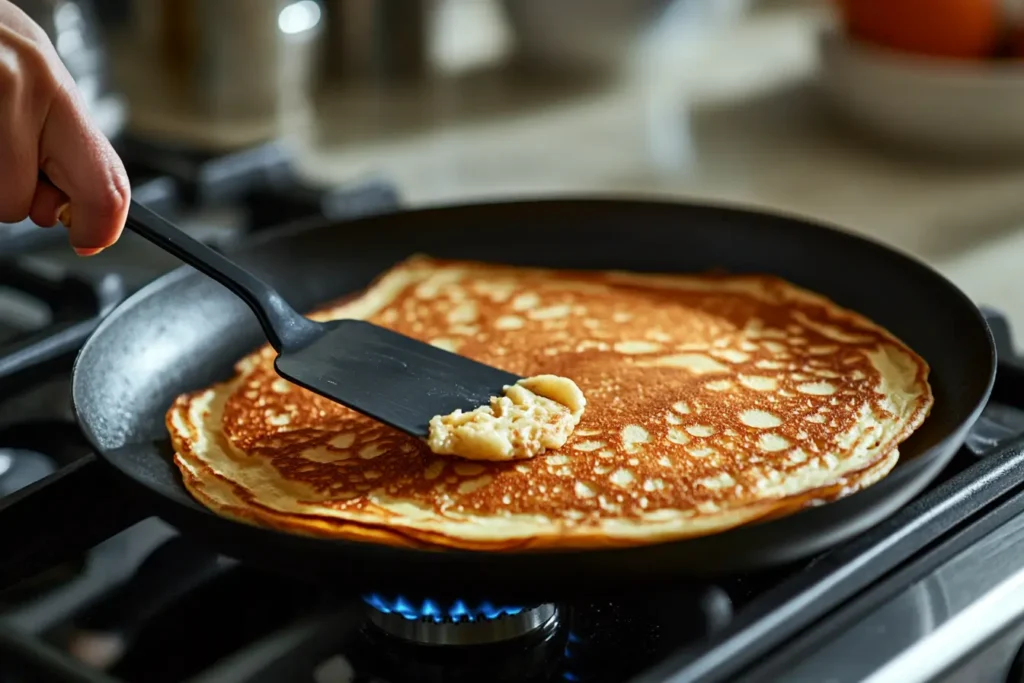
[916, 598]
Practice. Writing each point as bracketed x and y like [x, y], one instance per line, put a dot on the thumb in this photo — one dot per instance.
[80, 161]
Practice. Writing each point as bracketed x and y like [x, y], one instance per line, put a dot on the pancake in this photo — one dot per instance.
[711, 401]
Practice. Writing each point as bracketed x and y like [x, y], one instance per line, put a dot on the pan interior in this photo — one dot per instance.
[186, 331]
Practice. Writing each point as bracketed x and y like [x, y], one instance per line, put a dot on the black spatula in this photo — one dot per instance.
[388, 376]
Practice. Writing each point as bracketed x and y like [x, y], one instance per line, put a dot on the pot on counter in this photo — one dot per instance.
[228, 73]
[73, 28]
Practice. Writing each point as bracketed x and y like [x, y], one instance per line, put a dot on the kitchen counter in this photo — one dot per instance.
[729, 116]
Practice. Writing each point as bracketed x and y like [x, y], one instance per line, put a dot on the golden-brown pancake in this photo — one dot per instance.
[712, 401]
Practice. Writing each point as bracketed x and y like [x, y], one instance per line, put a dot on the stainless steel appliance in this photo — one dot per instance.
[74, 31]
[377, 41]
[219, 74]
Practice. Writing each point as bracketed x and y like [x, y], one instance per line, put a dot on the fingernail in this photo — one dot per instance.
[88, 251]
[64, 215]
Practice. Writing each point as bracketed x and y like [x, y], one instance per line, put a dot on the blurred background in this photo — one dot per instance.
[900, 119]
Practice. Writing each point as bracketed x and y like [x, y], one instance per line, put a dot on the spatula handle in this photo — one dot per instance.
[285, 328]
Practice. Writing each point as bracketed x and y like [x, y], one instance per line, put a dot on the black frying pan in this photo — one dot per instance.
[184, 332]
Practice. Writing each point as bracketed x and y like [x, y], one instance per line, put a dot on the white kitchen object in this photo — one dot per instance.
[935, 105]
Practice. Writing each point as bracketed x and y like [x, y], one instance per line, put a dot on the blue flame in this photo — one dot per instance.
[567, 653]
[439, 611]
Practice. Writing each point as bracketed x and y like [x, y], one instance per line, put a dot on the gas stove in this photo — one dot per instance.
[934, 593]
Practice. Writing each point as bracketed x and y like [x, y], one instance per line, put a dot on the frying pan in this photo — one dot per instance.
[184, 332]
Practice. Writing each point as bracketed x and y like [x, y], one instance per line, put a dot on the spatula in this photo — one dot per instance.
[397, 380]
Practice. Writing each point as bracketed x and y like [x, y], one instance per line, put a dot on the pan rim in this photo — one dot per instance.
[791, 221]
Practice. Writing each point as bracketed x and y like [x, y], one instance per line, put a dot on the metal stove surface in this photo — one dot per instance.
[959, 619]
[932, 594]
[51, 300]
[936, 593]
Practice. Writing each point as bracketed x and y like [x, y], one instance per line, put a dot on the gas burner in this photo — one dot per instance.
[431, 622]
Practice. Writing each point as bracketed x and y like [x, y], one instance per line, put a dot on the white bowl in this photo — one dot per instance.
[579, 34]
[938, 105]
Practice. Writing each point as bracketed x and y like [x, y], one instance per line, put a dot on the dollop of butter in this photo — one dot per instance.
[534, 414]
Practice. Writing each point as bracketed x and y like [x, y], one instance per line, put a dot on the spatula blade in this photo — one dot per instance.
[392, 378]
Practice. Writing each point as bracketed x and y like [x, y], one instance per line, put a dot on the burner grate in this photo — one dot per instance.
[76, 304]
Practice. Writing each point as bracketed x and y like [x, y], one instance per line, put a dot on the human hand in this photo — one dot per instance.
[44, 127]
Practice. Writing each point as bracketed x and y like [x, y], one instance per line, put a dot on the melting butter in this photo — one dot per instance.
[534, 415]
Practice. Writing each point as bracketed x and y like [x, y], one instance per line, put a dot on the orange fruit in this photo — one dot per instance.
[940, 28]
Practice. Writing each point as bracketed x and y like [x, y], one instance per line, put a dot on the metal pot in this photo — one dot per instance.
[74, 30]
[241, 58]
[241, 64]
